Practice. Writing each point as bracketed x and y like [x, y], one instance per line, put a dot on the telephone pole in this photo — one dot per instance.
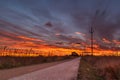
[91, 32]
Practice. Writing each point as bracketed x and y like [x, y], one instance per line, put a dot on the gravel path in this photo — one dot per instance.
[64, 71]
[10, 73]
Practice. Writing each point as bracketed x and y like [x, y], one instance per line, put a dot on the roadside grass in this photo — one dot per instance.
[7, 62]
[99, 68]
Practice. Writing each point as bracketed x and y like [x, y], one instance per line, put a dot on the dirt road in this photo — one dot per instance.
[64, 71]
[9, 73]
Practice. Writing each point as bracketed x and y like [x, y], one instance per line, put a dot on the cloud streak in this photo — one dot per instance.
[60, 23]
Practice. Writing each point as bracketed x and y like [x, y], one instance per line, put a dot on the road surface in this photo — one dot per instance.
[9, 73]
[64, 71]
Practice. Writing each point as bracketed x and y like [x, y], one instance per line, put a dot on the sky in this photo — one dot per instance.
[59, 23]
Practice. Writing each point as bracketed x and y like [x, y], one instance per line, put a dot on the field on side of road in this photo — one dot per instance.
[99, 68]
[11, 62]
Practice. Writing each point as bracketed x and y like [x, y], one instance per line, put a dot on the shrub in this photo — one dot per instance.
[74, 54]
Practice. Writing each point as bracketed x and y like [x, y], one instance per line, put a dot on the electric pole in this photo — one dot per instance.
[91, 32]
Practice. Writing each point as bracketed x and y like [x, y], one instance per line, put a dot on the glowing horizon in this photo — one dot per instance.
[59, 24]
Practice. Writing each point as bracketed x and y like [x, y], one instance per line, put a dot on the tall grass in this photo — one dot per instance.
[99, 68]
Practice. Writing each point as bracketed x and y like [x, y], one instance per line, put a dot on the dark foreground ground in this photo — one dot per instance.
[62, 71]
[12, 62]
[99, 68]
[10, 67]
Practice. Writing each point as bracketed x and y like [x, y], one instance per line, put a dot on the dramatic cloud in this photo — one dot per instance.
[60, 23]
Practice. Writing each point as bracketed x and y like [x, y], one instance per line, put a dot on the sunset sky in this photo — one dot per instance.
[59, 23]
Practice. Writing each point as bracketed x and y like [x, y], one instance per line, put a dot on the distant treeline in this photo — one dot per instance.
[6, 51]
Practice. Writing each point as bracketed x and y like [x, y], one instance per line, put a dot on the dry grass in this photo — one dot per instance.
[99, 68]
[11, 62]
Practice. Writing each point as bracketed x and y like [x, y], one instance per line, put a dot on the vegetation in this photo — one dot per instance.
[7, 62]
[74, 54]
[99, 68]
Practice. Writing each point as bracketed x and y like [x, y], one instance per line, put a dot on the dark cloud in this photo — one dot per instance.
[42, 19]
[69, 39]
[16, 29]
[105, 28]
[48, 24]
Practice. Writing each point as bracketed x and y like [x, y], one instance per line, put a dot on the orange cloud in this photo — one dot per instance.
[79, 33]
[106, 41]
[116, 42]
[29, 38]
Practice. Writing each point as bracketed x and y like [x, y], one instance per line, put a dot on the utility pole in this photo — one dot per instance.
[91, 32]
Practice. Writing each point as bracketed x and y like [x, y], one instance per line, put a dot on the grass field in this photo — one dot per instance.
[11, 62]
[99, 68]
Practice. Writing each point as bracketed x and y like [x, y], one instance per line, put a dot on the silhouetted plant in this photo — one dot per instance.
[74, 54]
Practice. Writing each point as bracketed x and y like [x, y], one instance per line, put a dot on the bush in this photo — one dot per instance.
[74, 54]
[6, 65]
